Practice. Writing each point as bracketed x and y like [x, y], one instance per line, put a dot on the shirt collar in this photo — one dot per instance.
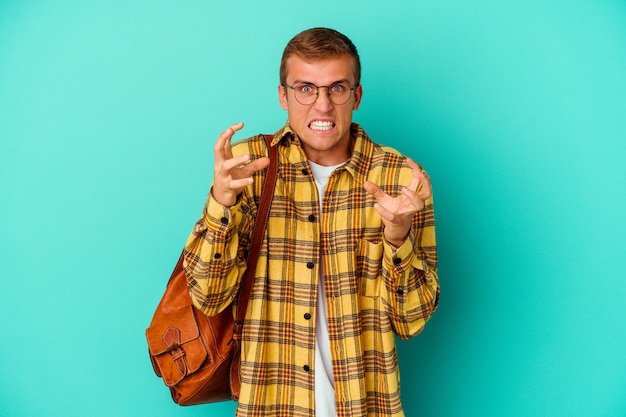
[362, 152]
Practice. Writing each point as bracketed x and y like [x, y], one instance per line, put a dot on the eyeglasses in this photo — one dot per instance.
[307, 94]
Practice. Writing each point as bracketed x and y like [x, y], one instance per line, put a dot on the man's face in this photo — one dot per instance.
[323, 127]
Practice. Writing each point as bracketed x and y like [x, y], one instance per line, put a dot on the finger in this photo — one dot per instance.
[227, 146]
[238, 184]
[256, 165]
[426, 190]
[374, 190]
[241, 166]
[222, 145]
[420, 181]
[384, 213]
[414, 198]
[244, 176]
[417, 170]
[236, 162]
[226, 135]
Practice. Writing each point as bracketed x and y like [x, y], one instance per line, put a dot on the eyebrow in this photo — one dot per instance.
[344, 80]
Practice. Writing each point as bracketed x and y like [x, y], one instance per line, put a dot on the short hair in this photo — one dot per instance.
[317, 44]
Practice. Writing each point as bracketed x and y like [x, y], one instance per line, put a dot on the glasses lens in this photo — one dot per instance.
[339, 93]
[307, 94]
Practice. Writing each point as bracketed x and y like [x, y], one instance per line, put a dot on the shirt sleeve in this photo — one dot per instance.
[214, 260]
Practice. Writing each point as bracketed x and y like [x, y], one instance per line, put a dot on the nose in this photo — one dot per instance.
[322, 101]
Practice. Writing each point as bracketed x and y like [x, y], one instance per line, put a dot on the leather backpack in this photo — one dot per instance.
[198, 356]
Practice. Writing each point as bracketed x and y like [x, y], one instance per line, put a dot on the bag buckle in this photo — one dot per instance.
[237, 329]
[172, 338]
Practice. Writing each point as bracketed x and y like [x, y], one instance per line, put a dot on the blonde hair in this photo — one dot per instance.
[317, 44]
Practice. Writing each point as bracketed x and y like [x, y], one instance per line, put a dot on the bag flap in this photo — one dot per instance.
[159, 333]
[173, 368]
[175, 345]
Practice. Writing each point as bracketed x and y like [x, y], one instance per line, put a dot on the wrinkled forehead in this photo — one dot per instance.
[324, 71]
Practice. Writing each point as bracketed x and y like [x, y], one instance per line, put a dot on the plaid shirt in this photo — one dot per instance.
[374, 291]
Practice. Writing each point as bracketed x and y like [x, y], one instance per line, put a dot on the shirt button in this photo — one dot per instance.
[307, 316]
[310, 265]
[397, 261]
[224, 220]
[305, 171]
[400, 291]
[217, 255]
[311, 217]
[306, 368]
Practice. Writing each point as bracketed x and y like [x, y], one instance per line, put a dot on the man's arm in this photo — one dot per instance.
[214, 260]
[409, 263]
[409, 272]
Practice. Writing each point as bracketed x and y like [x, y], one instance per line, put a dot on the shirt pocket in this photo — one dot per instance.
[369, 263]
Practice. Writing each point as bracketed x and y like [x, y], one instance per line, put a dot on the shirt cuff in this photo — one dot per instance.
[218, 216]
[400, 259]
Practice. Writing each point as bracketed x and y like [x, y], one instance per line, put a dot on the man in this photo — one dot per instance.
[349, 257]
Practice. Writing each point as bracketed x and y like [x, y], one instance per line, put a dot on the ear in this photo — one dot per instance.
[282, 96]
[358, 94]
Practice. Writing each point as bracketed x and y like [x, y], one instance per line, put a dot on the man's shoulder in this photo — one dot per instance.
[371, 148]
[384, 155]
[387, 158]
[388, 152]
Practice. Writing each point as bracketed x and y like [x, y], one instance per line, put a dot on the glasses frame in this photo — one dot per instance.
[317, 92]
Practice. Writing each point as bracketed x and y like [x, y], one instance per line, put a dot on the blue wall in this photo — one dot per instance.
[108, 113]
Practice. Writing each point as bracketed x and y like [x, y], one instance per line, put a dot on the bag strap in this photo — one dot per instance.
[257, 236]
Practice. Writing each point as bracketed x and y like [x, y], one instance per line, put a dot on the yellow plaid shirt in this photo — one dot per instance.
[374, 291]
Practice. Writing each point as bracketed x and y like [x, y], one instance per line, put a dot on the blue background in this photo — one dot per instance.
[108, 114]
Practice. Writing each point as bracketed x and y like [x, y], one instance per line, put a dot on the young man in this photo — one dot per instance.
[349, 257]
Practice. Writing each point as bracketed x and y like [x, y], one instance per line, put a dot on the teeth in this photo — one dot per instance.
[319, 125]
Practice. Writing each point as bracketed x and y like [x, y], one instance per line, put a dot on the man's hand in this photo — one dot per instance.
[232, 174]
[397, 212]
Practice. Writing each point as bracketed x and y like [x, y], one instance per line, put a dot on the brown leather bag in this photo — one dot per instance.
[196, 355]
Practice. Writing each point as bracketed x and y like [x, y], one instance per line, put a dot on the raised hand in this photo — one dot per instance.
[397, 212]
[232, 174]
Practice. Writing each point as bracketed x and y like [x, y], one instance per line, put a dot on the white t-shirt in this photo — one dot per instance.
[324, 380]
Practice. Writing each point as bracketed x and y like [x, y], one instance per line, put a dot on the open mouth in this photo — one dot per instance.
[321, 126]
